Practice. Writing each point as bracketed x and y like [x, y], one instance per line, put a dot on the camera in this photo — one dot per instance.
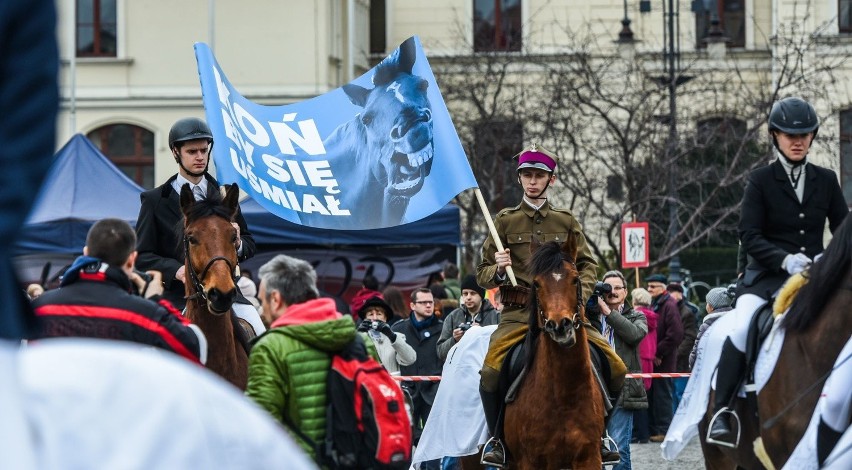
[601, 290]
[465, 326]
[145, 276]
[367, 325]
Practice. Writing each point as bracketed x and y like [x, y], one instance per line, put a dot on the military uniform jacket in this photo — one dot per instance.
[159, 233]
[516, 227]
[773, 223]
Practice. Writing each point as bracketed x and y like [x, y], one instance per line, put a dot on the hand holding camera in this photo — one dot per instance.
[148, 284]
[378, 326]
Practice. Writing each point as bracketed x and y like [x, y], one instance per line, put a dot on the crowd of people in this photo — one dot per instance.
[129, 285]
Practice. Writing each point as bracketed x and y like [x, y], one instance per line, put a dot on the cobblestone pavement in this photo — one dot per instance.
[647, 457]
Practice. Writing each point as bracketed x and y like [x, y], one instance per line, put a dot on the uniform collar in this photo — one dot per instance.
[529, 211]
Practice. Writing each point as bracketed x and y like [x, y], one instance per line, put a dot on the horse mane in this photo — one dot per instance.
[823, 278]
[210, 205]
[547, 258]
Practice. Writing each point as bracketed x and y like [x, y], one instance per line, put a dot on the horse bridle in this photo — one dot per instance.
[576, 320]
[197, 285]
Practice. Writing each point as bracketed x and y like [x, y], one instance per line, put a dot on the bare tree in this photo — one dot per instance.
[606, 115]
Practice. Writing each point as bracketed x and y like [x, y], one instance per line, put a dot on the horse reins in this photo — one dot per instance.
[197, 285]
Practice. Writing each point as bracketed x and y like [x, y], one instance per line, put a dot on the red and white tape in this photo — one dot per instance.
[435, 378]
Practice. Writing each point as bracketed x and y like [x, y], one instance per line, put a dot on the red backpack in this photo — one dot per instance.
[367, 425]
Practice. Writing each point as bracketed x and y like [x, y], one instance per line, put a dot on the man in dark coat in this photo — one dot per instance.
[422, 330]
[159, 228]
[689, 319]
[669, 337]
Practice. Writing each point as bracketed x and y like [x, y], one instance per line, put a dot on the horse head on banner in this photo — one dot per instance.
[388, 146]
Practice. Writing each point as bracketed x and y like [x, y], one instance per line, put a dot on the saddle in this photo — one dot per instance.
[758, 330]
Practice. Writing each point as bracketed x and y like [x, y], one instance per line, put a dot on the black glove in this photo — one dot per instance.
[365, 325]
[385, 329]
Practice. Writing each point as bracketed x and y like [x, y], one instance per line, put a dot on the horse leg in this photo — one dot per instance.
[586, 458]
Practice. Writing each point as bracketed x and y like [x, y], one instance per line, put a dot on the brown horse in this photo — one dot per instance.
[557, 419]
[211, 268]
[816, 327]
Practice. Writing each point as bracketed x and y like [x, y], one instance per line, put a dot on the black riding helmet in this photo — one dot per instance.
[185, 130]
[792, 116]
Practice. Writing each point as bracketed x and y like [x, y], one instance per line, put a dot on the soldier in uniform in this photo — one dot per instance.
[535, 216]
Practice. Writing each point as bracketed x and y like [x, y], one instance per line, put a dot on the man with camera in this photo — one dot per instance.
[98, 298]
[624, 328]
[475, 310]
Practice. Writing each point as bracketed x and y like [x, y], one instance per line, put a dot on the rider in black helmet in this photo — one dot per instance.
[159, 245]
[185, 130]
[784, 210]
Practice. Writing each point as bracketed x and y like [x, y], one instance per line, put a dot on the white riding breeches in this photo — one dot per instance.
[740, 318]
[249, 314]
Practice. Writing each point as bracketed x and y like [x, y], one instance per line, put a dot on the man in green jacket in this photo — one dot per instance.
[289, 363]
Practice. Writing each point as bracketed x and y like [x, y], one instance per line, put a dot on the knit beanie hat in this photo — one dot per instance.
[718, 297]
[469, 282]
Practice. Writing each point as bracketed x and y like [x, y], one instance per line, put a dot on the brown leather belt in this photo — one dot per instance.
[514, 296]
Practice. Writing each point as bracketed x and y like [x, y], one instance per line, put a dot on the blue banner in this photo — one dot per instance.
[378, 152]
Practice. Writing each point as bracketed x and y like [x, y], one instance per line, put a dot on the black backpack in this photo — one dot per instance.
[367, 425]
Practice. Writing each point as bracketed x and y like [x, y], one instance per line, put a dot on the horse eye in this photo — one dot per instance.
[234, 238]
[192, 240]
[367, 119]
[423, 85]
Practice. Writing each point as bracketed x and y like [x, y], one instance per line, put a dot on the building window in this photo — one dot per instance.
[496, 143]
[846, 154]
[130, 148]
[731, 14]
[496, 25]
[844, 16]
[96, 28]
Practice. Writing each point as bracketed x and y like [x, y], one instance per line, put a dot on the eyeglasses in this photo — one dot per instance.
[424, 302]
[617, 287]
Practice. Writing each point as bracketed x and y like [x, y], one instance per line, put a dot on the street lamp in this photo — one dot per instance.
[672, 78]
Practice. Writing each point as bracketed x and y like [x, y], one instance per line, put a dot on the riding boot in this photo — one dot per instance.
[496, 455]
[827, 438]
[728, 379]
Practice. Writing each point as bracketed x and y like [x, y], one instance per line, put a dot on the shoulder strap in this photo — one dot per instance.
[290, 424]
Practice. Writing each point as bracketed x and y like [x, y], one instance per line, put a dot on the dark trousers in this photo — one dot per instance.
[641, 430]
[660, 401]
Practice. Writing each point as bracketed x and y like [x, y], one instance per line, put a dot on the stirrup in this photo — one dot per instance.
[493, 442]
[609, 441]
[717, 415]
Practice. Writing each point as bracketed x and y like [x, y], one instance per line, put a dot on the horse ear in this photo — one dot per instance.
[232, 198]
[569, 248]
[407, 55]
[357, 94]
[187, 199]
[535, 244]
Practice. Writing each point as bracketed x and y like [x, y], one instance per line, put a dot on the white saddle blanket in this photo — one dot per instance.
[693, 405]
[456, 424]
